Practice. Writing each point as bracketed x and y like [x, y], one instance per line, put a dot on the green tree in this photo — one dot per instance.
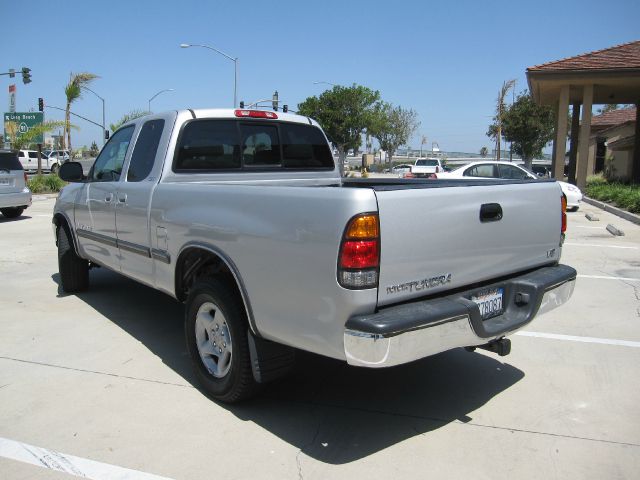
[94, 150]
[127, 117]
[528, 125]
[484, 151]
[609, 107]
[73, 92]
[393, 126]
[344, 113]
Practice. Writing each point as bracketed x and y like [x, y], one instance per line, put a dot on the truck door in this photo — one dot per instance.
[134, 198]
[95, 213]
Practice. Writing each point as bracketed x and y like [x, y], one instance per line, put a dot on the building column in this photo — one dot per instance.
[635, 161]
[573, 149]
[560, 142]
[583, 141]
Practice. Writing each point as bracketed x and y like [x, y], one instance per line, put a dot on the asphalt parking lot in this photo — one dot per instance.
[100, 385]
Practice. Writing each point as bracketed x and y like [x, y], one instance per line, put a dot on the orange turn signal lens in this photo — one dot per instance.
[363, 226]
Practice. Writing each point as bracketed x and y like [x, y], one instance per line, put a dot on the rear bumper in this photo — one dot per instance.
[411, 331]
[18, 199]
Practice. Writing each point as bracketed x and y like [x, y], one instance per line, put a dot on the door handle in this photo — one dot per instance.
[122, 198]
[108, 198]
[490, 212]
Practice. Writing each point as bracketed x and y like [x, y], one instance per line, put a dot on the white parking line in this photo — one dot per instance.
[80, 467]
[591, 228]
[604, 277]
[599, 246]
[572, 338]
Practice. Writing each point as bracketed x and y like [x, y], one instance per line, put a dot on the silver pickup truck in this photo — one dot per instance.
[243, 215]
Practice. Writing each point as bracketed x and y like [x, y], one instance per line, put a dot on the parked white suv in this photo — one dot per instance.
[49, 162]
[14, 194]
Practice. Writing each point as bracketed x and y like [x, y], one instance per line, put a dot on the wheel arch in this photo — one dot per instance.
[61, 220]
[196, 260]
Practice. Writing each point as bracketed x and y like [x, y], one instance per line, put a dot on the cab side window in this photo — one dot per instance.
[144, 153]
[108, 165]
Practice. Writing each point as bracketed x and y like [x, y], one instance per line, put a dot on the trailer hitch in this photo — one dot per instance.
[501, 346]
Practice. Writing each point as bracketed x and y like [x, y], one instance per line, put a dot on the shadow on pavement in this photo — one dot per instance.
[4, 219]
[330, 411]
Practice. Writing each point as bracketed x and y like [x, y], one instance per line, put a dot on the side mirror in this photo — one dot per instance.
[71, 172]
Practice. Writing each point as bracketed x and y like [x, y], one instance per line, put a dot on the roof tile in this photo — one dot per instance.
[614, 117]
[622, 56]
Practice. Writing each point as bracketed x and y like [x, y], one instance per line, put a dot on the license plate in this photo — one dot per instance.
[489, 302]
[4, 181]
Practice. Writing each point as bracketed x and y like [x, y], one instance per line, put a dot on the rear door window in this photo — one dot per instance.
[144, 153]
[512, 173]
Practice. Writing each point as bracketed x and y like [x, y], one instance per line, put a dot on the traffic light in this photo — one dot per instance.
[26, 75]
[41, 104]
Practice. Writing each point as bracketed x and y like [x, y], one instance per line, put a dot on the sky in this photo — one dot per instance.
[444, 59]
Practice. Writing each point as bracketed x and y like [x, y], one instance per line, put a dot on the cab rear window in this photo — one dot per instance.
[9, 161]
[232, 145]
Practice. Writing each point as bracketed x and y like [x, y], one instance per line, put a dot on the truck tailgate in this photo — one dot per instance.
[433, 239]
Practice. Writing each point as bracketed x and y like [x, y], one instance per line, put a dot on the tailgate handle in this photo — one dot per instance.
[490, 212]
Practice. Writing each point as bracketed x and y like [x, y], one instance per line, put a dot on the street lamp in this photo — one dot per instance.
[234, 60]
[161, 91]
[104, 130]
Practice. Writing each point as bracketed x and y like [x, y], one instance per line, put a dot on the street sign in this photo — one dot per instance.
[12, 98]
[19, 123]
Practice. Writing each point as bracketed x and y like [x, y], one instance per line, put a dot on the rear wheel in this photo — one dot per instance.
[216, 335]
[12, 212]
[74, 271]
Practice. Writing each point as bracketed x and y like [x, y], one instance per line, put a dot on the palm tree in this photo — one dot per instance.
[73, 91]
[484, 151]
[506, 86]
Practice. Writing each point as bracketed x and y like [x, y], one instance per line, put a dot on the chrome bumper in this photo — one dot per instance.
[434, 335]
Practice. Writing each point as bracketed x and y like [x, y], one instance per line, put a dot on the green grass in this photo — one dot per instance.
[45, 184]
[622, 196]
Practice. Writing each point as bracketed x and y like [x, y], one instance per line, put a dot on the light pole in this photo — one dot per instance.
[161, 91]
[234, 60]
[104, 130]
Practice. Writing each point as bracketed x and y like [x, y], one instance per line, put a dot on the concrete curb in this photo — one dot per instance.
[43, 196]
[631, 217]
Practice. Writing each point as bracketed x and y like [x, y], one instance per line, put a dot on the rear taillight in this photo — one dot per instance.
[563, 201]
[256, 114]
[437, 169]
[25, 178]
[359, 257]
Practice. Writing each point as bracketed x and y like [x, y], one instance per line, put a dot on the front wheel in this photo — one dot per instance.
[216, 335]
[13, 212]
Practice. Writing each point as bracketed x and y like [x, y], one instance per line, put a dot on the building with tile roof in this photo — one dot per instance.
[610, 75]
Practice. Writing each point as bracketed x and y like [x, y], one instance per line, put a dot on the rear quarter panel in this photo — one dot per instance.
[284, 242]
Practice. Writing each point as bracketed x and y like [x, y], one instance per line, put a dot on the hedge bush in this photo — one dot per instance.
[623, 196]
[45, 183]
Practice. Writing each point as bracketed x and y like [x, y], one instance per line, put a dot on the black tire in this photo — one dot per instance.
[237, 382]
[74, 271]
[13, 212]
[54, 168]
